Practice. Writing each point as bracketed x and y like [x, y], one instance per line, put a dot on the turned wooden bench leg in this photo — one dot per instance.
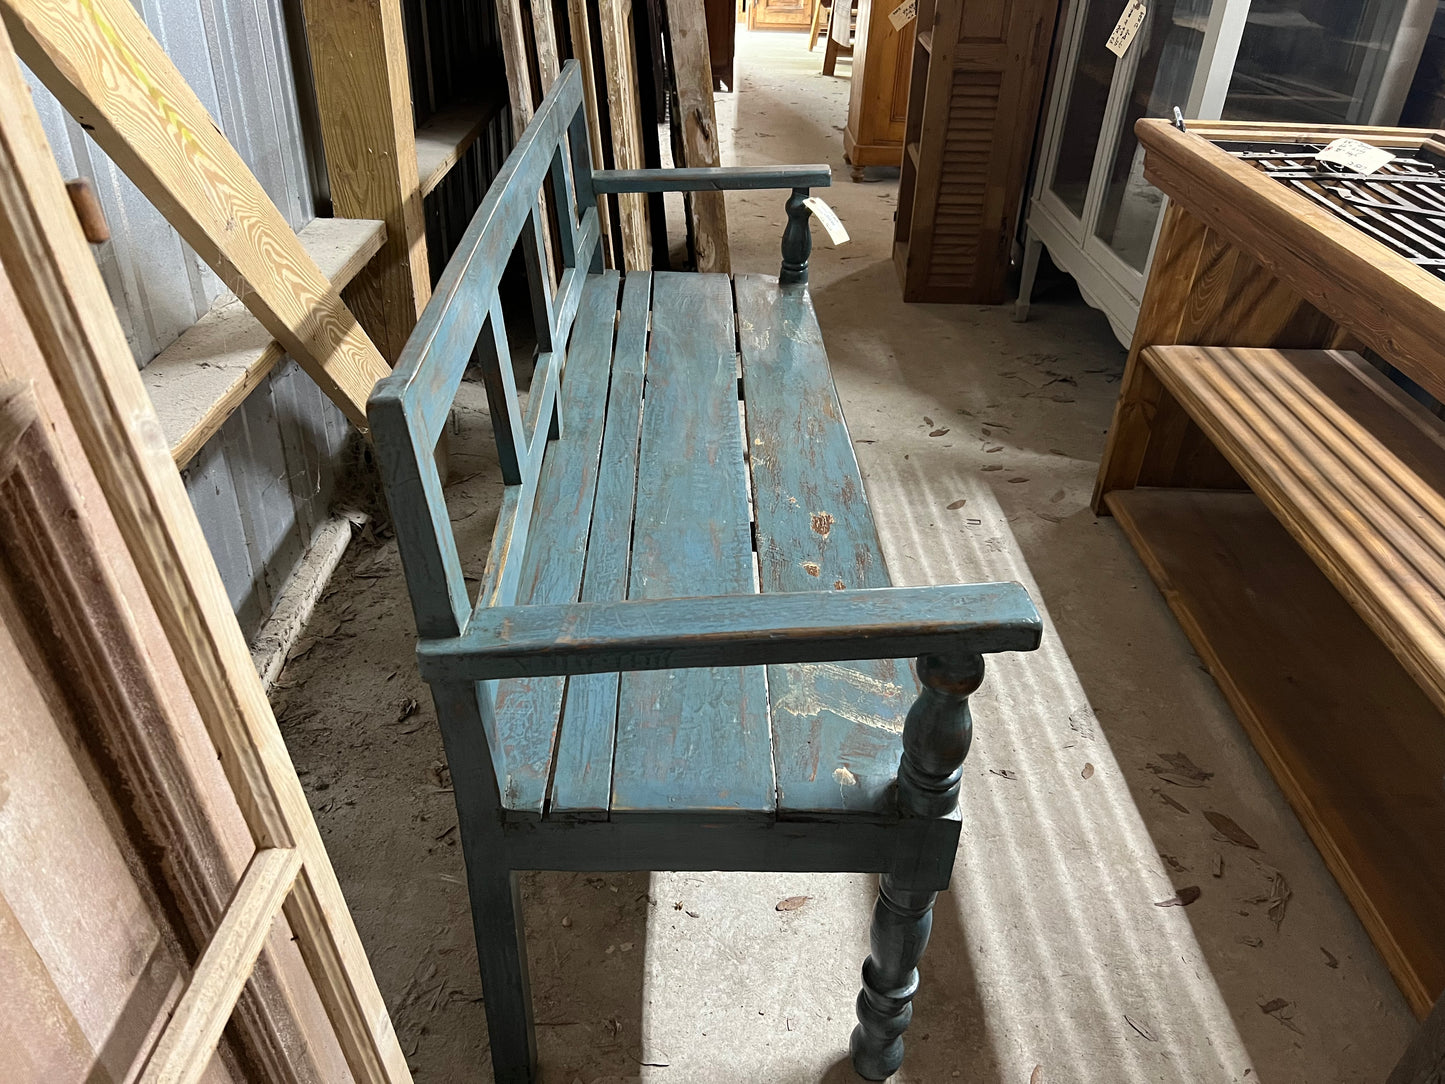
[936, 737]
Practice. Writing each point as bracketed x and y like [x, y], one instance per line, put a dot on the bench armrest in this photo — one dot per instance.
[735, 630]
[710, 179]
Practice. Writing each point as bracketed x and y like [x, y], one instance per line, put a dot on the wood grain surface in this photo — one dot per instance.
[99, 59]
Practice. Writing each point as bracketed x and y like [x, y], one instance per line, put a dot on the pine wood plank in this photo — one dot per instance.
[624, 116]
[447, 136]
[83, 347]
[687, 30]
[836, 726]
[583, 776]
[1360, 759]
[99, 59]
[527, 710]
[1349, 464]
[580, 24]
[190, 1038]
[363, 98]
[691, 537]
[198, 381]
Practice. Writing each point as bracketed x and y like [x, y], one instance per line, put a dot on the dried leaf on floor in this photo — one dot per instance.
[1003, 772]
[1180, 770]
[408, 708]
[1174, 863]
[1217, 865]
[938, 433]
[1250, 940]
[1088, 772]
[792, 903]
[927, 420]
[993, 448]
[1183, 898]
[1142, 1029]
[1282, 1011]
[1037, 1076]
[1018, 479]
[1226, 827]
[992, 466]
[1331, 960]
[1277, 898]
[956, 505]
[1170, 801]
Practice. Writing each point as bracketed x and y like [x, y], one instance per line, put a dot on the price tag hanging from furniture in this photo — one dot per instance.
[829, 218]
[903, 14]
[1127, 27]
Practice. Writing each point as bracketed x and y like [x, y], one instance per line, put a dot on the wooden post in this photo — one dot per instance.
[101, 61]
[363, 94]
[82, 345]
[692, 69]
[620, 57]
[581, 27]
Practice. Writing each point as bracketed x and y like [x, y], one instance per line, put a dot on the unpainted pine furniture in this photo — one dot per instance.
[1289, 498]
[658, 672]
[977, 78]
[878, 91]
[780, 14]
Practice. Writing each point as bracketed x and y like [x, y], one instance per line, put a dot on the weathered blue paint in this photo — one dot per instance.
[583, 775]
[624, 542]
[692, 739]
[711, 178]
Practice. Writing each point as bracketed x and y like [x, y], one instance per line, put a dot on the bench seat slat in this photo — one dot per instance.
[1349, 464]
[583, 777]
[692, 739]
[526, 710]
[836, 726]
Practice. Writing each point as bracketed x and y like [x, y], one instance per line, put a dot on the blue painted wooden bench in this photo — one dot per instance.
[661, 671]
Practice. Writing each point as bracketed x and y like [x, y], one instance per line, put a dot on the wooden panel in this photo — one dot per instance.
[363, 99]
[1356, 746]
[692, 739]
[135, 104]
[878, 89]
[780, 14]
[985, 74]
[1350, 465]
[687, 30]
[527, 709]
[836, 726]
[589, 723]
[83, 348]
[624, 118]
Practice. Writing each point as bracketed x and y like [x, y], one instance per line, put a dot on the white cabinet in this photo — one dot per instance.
[1315, 61]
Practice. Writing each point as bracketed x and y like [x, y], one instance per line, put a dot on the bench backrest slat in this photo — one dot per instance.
[408, 410]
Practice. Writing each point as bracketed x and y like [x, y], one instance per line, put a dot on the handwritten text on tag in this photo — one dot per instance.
[1127, 26]
[903, 14]
[829, 218]
[1355, 156]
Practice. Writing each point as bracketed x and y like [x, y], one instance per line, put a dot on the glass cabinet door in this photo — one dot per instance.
[1313, 61]
[1088, 102]
[1168, 49]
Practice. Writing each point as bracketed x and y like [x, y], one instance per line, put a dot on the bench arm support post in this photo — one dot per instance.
[936, 737]
[797, 240]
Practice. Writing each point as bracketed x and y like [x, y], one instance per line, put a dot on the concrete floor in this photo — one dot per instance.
[1051, 960]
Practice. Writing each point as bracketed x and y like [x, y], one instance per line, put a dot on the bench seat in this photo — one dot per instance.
[1349, 464]
[803, 738]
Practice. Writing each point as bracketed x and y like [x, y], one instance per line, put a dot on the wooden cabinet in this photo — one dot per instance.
[878, 97]
[978, 77]
[780, 14]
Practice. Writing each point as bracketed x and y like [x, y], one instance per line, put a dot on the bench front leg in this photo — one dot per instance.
[797, 240]
[936, 738]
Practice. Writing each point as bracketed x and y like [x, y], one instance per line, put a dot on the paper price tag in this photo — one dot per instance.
[903, 14]
[1127, 26]
[829, 218]
[1355, 156]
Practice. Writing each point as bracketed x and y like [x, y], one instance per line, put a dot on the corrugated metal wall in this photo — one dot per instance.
[263, 484]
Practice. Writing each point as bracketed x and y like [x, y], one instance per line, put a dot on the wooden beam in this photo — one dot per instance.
[580, 24]
[544, 32]
[82, 345]
[99, 59]
[198, 381]
[619, 53]
[519, 69]
[363, 96]
[189, 1040]
[692, 71]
